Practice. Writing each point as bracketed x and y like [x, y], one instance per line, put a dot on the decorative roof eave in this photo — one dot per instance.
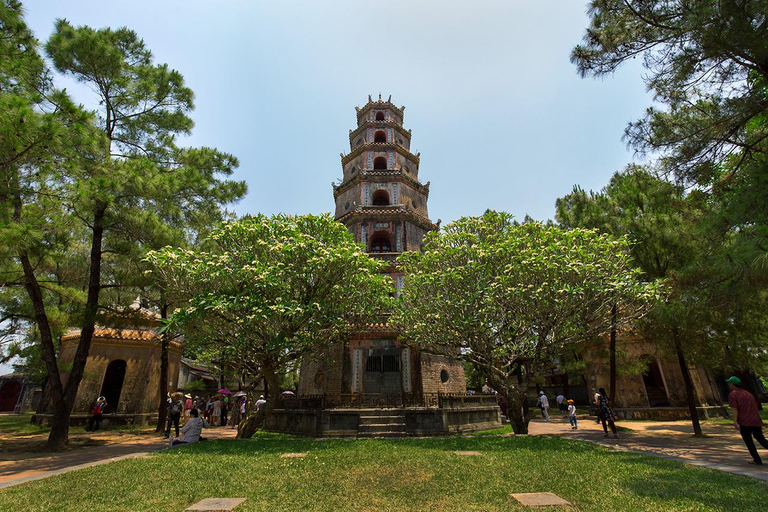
[397, 211]
[379, 104]
[130, 335]
[380, 146]
[371, 175]
[375, 124]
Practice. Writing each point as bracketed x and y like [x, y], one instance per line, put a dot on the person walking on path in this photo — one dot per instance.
[224, 410]
[746, 418]
[543, 403]
[96, 413]
[572, 415]
[605, 413]
[260, 402]
[560, 399]
[187, 405]
[596, 403]
[216, 413]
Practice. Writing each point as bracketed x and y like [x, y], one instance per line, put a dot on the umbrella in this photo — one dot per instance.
[288, 393]
[240, 393]
[224, 391]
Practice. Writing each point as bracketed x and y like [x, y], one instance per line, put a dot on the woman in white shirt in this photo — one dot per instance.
[190, 432]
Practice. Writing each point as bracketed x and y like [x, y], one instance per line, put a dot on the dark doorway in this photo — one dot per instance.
[379, 137]
[380, 198]
[380, 242]
[9, 395]
[379, 163]
[380, 116]
[113, 384]
[382, 371]
[654, 384]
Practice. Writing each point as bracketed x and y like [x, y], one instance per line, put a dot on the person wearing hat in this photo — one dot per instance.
[260, 402]
[175, 407]
[543, 404]
[572, 415]
[746, 418]
[187, 405]
[96, 412]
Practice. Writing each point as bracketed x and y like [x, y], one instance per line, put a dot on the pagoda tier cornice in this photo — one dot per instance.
[374, 176]
[378, 124]
[378, 146]
[361, 111]
[393, 212]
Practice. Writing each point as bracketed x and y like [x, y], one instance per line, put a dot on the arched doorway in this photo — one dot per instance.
[9, 395]
[380, 116]
[654, 383]
[380, 242]
[379, 163]
[380, 198]
[379, 136]
[113, 383]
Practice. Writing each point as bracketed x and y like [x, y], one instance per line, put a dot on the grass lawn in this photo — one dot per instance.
[399, 474]
[19, 425]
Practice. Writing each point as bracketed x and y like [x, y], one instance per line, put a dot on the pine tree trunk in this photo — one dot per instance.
[689, 390]
[612, 393]
[162, 410]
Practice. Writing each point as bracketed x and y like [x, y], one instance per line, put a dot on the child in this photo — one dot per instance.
[572, 415]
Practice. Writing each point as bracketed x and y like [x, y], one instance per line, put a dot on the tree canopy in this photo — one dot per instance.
[272, 288]
[512, 296]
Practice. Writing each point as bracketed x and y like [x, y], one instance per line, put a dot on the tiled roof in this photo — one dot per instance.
[389, 212]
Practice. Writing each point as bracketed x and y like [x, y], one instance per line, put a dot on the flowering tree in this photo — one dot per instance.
[271, 289]
[512, 296]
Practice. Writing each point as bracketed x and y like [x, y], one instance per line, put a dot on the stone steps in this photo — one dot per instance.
[382, 424]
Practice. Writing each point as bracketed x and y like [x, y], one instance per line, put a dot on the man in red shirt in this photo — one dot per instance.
[746, 418]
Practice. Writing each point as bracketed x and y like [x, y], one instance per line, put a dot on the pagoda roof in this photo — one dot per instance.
[378, 124]
[389, 212]
[368, 175]
[378, 146]
[361, 111]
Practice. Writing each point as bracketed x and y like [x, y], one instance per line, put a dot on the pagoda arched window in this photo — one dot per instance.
[380, 198]
[379, 136]
[380, 163]
[380, 116]
[381, 242]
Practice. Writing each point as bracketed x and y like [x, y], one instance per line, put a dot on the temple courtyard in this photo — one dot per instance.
[652, 466]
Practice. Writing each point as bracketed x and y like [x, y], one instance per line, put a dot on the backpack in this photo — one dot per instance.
[176, 409]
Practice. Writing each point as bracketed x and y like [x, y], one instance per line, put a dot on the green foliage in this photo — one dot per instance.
[513, 296]
[272, 288]
[707, 63]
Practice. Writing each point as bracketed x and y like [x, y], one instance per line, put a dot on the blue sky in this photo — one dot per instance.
[498, 112]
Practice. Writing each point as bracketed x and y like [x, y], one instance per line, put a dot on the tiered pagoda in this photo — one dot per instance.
[374, 385]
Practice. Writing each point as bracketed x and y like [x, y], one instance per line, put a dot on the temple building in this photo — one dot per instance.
[384, 205]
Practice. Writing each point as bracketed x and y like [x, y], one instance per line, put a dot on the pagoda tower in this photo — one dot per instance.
[384, 205]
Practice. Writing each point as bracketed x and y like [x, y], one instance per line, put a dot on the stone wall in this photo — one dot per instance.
[433, 380]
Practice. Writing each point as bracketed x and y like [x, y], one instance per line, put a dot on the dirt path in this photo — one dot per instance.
[722, 448]
[96, 448]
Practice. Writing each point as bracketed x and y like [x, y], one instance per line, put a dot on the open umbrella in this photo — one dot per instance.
[224, 391]
[288, 393]
[240, 393]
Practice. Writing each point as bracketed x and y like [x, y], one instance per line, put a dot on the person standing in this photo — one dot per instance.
[543, 404]
[560, 399]
[572, 415]
[187, 405]
[746, 418]
[224, 410]
[216, 413]
[596, 403]
[96, 413]
[260, 402]
[174, 414]
[606, 413]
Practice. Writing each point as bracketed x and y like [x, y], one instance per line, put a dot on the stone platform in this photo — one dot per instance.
[451, 415]
[669, 413]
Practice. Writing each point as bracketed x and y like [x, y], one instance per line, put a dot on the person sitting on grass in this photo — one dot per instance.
[192, 429]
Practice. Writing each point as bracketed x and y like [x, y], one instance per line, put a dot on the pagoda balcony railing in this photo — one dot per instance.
[385, 256]
[384, 400]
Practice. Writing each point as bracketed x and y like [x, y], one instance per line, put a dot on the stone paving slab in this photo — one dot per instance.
[217, 504]
[292, 455]
[467, 454]
[541, 499]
